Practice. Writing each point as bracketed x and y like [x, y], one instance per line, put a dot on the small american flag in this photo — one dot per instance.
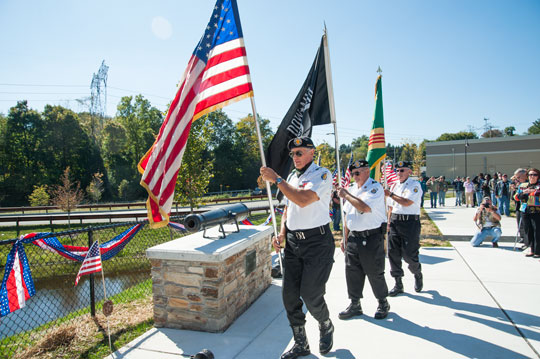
[390, 176]
[217, 75]
[346, 180]
[334, 178]
[92, 262]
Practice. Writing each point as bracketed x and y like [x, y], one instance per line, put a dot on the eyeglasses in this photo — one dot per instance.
[296, 153]
[402, 170]
[356, 173]
[533, 174]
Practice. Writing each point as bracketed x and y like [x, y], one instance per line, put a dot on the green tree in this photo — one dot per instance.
[360, 147]
[95, 188]
[328, 155]
[246, 145]
[492, 133]
[39, 196]
[22, 169]
[462, 135]
[65, 144]
[509, 131]
[535, 128]
[196, 169]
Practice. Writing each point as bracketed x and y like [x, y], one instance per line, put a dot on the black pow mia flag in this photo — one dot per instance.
[310, 108]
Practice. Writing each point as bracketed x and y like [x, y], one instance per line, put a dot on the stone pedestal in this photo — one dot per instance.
[205, 284]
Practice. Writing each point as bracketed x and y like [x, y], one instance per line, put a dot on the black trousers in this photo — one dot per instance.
[364, 256]
[404, 243]
[308, 263]
[531, 225]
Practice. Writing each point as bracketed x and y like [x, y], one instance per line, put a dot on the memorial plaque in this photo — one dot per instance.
[251, 261]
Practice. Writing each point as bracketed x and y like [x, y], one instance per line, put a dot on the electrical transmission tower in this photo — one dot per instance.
[98, 98]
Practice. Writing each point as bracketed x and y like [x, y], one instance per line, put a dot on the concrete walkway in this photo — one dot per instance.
[476, 303]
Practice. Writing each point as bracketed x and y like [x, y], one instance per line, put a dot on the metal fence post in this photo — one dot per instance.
[92, 292]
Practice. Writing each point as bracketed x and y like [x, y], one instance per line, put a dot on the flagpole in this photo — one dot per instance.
[330, 87]
[268, 190]
[105, 295]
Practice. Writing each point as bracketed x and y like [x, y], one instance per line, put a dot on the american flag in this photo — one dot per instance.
[346, 180]
[390, 176]
[246, 222]
[334, 178]
[17, 285]
[217, 75]
[92, 262]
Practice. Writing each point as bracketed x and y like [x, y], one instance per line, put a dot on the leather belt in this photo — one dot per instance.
[405, 217]
[307, 233]
[366, 233]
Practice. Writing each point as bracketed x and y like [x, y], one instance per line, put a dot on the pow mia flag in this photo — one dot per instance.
[310, 108]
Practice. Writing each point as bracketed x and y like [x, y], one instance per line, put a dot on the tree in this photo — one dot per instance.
[196, 169]
[360, 147]
[509, 131]
[492, 133]
[462, 135]
[67, 195]
[95, 188]
[39, 196]
[535, 128]
[328, 155]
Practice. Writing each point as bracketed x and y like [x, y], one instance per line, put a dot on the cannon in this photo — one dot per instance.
[217, 217]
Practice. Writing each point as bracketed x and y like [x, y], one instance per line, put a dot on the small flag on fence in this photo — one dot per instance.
[92, 262]
[17, 286]
[247, 222]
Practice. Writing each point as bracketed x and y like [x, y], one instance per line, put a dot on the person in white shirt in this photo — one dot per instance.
[365, 225]
[469, 192]
[309, 245]
[404, 227]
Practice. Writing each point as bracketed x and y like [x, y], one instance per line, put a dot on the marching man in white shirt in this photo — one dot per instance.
[404, 227]
[365, 225]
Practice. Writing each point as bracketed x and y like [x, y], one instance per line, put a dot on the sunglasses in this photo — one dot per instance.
[296, 153]
[402, 170]
[533, 174]
[356, 173]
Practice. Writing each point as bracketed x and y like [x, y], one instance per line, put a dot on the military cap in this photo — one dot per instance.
[300, 142]
[358, 164]
[403, 164]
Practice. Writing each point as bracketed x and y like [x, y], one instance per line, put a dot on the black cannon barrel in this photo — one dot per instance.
[226, 214]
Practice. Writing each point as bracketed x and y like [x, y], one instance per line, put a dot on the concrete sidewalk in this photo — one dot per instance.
[476, 303]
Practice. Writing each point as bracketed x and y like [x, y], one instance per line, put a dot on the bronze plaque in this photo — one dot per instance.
[251, 261]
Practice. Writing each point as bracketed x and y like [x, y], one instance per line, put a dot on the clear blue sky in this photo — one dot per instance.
[447, 64]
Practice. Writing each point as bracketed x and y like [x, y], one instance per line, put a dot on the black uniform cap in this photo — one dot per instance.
[358, 164]
[300, 142]
[403, 164]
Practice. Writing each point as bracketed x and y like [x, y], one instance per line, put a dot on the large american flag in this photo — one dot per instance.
[92, 262]
[17, 285]
[217, 74]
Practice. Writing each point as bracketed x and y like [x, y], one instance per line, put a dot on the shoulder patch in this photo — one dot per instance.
[374, 190]
[324, 176]
[415, 189]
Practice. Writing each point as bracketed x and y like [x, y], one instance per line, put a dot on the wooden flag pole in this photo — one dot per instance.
[105, 295]
[268, 190]
[330, 88]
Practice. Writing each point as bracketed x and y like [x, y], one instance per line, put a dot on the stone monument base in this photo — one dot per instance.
[205, 284]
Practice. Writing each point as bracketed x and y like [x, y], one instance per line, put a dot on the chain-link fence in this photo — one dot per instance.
[57, 300]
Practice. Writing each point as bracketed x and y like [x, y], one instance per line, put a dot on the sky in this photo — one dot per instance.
[446, 64]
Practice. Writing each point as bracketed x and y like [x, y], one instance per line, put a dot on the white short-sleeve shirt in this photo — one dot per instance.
[372, 194]
[409, 189]
[319, 180]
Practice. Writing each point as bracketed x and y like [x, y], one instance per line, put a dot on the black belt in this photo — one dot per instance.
[405, 217]
[306, 233]
[366, 233]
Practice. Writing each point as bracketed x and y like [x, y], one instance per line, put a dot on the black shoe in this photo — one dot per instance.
[326, 342]
[495, 244]
[300, 347]
[382, 309]
[418, 282]
[352, 310]
[398, 288]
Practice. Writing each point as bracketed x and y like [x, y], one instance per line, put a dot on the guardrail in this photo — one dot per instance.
[129, 205]
[88, 217]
